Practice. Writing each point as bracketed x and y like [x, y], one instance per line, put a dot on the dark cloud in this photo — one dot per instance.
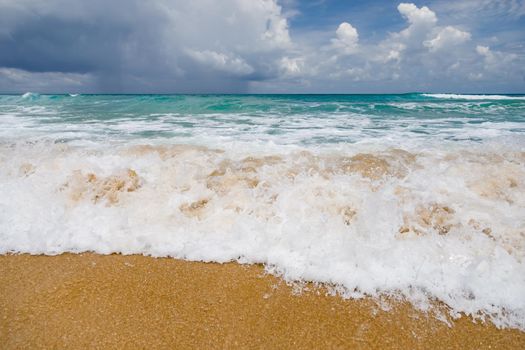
[50, 44]
[129, 46]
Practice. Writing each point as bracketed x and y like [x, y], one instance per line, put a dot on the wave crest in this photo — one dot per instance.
[475, 97]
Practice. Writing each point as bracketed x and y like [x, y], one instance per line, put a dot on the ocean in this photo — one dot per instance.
[412, 196]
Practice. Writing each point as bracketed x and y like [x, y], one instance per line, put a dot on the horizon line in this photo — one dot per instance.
[252, 94]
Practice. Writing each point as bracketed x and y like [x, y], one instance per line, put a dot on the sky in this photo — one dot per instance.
[262, 46]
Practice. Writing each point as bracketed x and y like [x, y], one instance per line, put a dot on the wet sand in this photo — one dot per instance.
[93, 301]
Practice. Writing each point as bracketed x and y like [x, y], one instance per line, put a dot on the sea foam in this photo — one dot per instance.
[442, 223]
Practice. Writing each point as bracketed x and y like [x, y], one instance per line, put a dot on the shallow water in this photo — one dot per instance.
[416, 195]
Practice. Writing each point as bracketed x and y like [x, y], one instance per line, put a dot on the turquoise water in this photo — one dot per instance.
[281, 119]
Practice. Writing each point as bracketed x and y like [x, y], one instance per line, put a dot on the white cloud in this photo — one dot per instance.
[240, 26]
[221, 61]
[394, 54]
[421, 20]
[495, 60]
[417, 16]
[291, 66]
[483, 50]
[422, 37]
[347, 38]
[277, 31]
[446, 38]
[422, 23]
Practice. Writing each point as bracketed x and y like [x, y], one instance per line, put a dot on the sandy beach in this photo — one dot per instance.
[94, 301]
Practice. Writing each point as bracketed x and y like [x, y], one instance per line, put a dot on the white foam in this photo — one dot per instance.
[29, 95]
[475, 97]
[45, 122]
[447, 224]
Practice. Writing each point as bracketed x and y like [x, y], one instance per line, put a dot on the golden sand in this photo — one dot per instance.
[92, 301]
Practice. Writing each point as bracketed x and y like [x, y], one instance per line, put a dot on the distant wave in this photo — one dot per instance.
[73, 95]
[475, 97]
[28, 95]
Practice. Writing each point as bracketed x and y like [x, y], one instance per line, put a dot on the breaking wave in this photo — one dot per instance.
[445, 225]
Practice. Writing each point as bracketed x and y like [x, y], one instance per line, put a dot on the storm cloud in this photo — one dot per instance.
[167, 46]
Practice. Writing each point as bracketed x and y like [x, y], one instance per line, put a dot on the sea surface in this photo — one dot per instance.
[414, 196]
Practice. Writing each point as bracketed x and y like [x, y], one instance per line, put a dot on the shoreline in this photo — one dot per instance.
[114, 301]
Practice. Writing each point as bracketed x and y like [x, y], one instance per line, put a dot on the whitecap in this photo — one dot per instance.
[30, 95]
[475, 97]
